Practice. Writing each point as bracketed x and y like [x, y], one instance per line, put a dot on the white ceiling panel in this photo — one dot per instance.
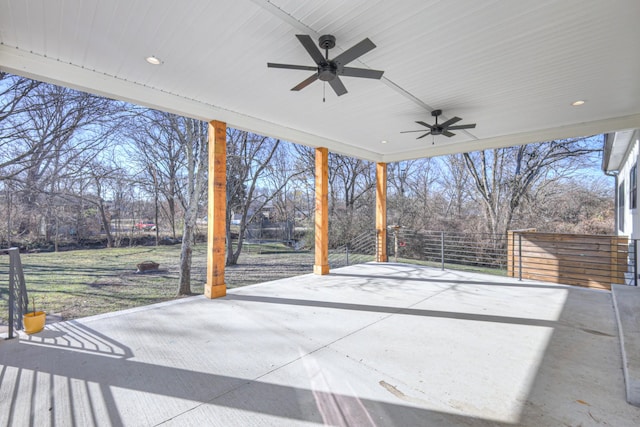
[512, 67]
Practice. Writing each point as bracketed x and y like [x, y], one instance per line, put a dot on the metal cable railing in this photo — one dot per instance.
[360, 249]
[482, 250]
[583, 260]
[18, 298]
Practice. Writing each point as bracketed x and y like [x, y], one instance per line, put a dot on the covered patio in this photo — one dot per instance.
[372, 344]
[499, 73]
[376, 344]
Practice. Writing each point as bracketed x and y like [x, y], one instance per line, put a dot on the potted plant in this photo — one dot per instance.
[34, 320]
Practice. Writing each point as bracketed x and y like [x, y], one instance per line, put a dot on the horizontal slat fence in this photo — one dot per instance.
[583, 260]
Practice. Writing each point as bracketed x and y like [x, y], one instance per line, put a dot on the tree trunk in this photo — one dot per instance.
[186, 255]
[105, 224]
[195, 149]
[171, 201]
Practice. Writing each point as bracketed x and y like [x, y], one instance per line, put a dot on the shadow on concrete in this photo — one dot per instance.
[74, 368]
[394, 310]
[446, 280]
[74, 365]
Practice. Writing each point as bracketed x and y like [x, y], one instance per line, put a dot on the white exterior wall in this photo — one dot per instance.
[631, 226]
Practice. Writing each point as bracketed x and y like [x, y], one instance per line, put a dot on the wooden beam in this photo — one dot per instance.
[381, 212]
[216, 220]
[321, 265]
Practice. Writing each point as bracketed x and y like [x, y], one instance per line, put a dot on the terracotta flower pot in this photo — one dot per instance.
[34, 321]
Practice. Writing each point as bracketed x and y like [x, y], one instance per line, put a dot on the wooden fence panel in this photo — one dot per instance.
[572, 259]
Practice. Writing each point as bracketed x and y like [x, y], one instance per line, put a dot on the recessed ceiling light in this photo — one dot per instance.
[153, 60]
[383, 141]
[577, 103]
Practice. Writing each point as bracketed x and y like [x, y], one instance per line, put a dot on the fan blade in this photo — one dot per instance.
[292, 67]
[306, 82]
[354, 52]
[471, 126]
[409, 131]
[425, 124]
[311, 48]
[450, 122]
[337, 86]
[447, 133]
[361, 72]
[428, 133]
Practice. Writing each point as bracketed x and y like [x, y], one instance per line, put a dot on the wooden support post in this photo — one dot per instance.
[321, 265]
[381, 213]
[216, 220]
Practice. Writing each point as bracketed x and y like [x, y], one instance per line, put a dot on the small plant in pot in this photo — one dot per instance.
[34, 320]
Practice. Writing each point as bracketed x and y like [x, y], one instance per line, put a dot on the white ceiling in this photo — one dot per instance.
[512, 66]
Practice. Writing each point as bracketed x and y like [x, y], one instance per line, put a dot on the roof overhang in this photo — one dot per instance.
[616, 147]
[514, 68]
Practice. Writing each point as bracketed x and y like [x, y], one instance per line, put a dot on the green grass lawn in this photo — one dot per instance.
[86, 282]
[82, 283]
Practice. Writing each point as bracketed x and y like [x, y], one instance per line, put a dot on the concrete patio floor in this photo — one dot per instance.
[367, 345]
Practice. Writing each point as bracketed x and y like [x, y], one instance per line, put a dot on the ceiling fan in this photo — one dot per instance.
[443, 128]
[330, 70]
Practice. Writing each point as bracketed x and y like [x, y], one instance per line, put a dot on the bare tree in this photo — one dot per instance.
[100, 176]
[504, 177]
[248, 159]
[410, 192]
[455, 182]
[172, 154]
[192, 136]
[160, 157]
[54, 131]
[351, 184]
[14, 91]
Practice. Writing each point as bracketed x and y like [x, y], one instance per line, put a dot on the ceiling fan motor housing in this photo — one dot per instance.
[327, 71]
[436, 129]
[327, 41]
[330, 70]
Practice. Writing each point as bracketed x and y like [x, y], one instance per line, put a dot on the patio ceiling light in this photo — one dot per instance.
[153, 60]
[384, 141]
[577, 103]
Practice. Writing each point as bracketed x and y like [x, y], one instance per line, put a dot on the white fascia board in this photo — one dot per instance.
[571, 131]
[37, 67]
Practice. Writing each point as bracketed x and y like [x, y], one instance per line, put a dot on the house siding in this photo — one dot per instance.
[629, 218]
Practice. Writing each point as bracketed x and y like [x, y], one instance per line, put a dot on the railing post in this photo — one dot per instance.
[18, 298]
[442, 249]
[12, 292]
[510, 253]
[635, 262]
[346, 248]
[519, 256]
